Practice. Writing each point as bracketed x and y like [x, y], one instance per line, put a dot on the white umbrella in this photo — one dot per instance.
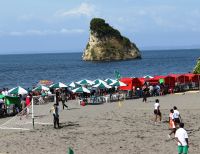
[73, 84]
[85, 82]
[148, 77]
[97, 81]
[102, 86]
[109, 81]
[58, 85]
[81, 90]
[40, 88]
[18, 90]
[118, 83]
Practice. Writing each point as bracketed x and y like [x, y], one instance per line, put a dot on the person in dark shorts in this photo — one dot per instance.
[157, 112]
[55, 111]
[63, 99]
[177, 116]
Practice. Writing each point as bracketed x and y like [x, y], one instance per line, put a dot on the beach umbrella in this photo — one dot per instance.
[109, 81]
[97, 81]
[18, 90]
[73, 85]
[118, 84]
[40, 88]
[102, 86]
[58, 85]
[148, 77]
[85, 82]
[81, 90]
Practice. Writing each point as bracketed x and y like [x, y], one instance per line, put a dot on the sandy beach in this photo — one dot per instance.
[110, 128]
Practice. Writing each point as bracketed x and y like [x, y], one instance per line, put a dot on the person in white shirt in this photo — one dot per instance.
[177, 116]
[181, 137]
[157, 112]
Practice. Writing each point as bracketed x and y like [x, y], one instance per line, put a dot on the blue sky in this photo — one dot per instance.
[28, 26]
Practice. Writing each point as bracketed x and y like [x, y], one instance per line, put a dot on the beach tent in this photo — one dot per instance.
[102, 85]
[40, 88]
[85, 82]
[58, 85]
[128, 82]
[1, 96]
[185, 78]
[138, 82]
[12, 100]
[18, 90]
[81, 90]
[195, 78]
[156, 80]
[170, 80]
[118, 84]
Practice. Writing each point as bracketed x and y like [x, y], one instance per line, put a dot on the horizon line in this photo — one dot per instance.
[76, 51]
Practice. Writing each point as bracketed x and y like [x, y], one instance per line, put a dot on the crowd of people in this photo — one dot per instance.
[176, 126]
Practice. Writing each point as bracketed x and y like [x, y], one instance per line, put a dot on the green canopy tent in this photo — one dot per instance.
[12, 100]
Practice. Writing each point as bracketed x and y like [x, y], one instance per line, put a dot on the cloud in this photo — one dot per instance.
[84, 9]
[34, 32]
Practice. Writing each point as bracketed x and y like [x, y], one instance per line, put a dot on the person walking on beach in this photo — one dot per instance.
[145, 93]
[171, 123]
[55, 111]
[177, 116]
[181, 137]
[63, 99]
[57, 97]
[157, 112]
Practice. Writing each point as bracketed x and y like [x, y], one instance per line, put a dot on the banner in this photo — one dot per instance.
[12, 100]
[117, 75]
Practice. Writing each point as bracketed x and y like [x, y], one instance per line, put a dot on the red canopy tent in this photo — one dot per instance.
[138, 82]
[155, 79]
[170, 80]
[128, 82]
[195, 78]
[185, 78]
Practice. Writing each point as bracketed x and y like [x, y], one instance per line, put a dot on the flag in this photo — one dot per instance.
[70, 151]
[117, 75]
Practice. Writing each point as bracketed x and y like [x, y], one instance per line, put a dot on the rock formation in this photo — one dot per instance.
[197, 67]
[107, 44]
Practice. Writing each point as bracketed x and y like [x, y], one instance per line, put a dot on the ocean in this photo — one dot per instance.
[27, 69]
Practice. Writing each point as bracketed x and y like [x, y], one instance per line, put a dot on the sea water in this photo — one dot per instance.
[27, 69]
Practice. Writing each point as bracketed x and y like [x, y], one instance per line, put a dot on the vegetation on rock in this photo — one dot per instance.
[197, 67]
[106, 43]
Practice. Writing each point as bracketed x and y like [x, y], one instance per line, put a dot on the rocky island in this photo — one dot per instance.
[107, 44]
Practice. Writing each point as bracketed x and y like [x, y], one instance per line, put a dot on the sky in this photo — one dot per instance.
[38, 26]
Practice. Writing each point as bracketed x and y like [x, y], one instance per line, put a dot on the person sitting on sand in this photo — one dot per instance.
[177, 116]
[157, 110]
[171, 123]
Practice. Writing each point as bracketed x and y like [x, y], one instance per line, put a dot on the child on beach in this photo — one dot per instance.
[171, 123]
[157, 112]
[55, 111]
[177, 116]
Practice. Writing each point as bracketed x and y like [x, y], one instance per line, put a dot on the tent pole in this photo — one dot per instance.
[32, 113]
